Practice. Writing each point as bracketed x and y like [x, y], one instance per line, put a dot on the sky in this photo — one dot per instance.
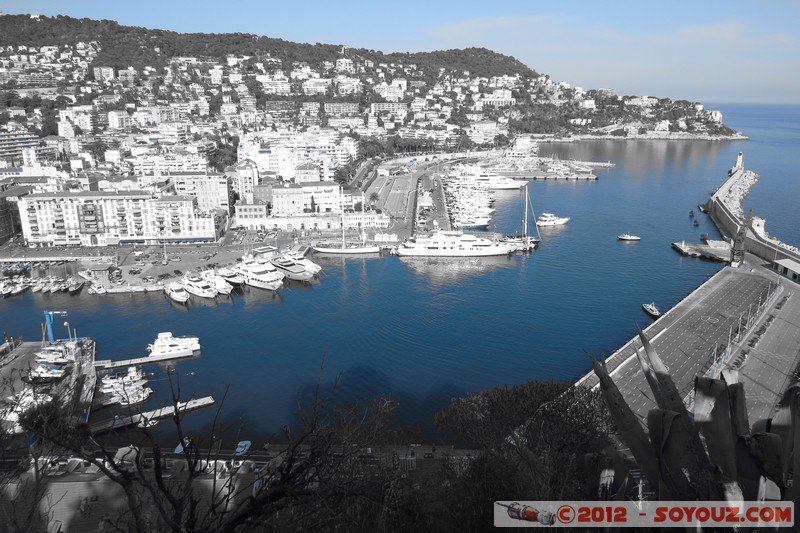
[702, 50]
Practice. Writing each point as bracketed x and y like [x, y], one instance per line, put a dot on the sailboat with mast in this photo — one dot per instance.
[525, 242]
[346, 248]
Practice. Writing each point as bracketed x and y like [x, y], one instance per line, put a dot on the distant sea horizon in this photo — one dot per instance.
[428, 330]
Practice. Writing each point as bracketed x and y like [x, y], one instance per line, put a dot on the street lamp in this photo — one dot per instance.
[69, 333]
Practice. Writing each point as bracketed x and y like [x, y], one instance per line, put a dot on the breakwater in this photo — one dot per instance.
[726, 211]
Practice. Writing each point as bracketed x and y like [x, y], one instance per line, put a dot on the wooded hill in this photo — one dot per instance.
[123, 46]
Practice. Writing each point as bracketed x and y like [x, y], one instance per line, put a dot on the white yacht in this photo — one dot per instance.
[167, 344]
[490, 180]
[217, 282]
[628, 237]
[549, 219]
[122, 382]
[260, 273]
[197, 286]
[470, 221]
[348, 248]
[453, 244]
[308, 264]
[176, 292]
[231, 276]
[97, 288]
[291, 269]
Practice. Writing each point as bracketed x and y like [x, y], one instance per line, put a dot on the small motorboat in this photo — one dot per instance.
[549, 219]
[628, 237]
[696, 222]
[652, 309]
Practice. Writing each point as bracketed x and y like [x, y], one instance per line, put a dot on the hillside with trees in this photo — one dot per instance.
[122, 46]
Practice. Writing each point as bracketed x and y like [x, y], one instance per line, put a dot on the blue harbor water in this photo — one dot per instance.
[423, 331]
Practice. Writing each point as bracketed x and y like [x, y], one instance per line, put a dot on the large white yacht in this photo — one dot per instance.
[197, 286]
[452, 244]
[260, 273]
[490, 180]
[168, 344]
[549, 219]
[176, 292]
[216, 281]
[308, 264]
[291, 269]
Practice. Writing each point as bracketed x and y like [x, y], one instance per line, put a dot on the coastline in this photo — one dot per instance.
[649, 136]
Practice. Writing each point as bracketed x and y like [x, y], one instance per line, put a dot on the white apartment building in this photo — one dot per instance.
[82, 116]
[215, 76]
[245, 178]
[316, 85]
[282, 155]
[174, 132]
[276, 86]
[107, 218]
[499, 98]
[156, 165]
[346, 85]
[119, 120]
[392, 93]
[212, 191]
[292, 199]
[340, 108]
[287, 200]
[251, 215]
[391, 108]
[344, 64]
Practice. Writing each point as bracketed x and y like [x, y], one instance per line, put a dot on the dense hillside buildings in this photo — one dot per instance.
[256, 137]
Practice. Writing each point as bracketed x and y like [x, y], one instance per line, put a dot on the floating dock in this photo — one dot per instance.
[563, 177]
[143, 419]
[107, 364]
[556, 176]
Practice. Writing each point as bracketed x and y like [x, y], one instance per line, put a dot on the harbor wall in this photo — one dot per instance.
[728, 219]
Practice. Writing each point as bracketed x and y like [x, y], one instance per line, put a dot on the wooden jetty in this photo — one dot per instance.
[107, 364]
[143, 419]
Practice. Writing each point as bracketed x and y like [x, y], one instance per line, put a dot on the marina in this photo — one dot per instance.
[448, 316]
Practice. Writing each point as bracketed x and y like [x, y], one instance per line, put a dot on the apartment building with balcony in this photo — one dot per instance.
[98, 218]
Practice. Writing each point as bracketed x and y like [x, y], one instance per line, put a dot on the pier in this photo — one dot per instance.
[708, 329]
[555, 176]
[743, 321]
[146, 418]
[106, 364]
[712, 250]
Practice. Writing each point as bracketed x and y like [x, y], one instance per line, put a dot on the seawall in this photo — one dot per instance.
[726, 211]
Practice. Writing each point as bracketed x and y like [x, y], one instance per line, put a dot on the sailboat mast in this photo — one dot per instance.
[343, 218]
[525, 217]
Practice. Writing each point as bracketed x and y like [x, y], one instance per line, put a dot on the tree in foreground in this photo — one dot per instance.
[531, 440]
[318, 480]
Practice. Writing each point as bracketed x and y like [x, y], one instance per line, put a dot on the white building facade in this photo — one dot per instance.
[108, 218]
